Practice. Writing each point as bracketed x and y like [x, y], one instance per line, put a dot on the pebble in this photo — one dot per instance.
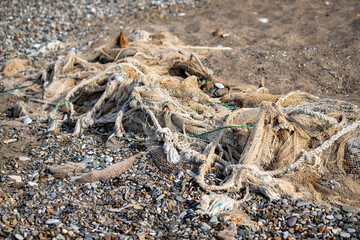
[338, 216]
[264, 20]
[213, 219]
[16, 178]
[87, 160]
[109, 159]
[178, 198]
[322, 228]
[12, 140]
[141, 235]
[52, 221]
[345, 234]
[22, 158]
[217, 32]
[26, 120]
[219, 85]
[291, 221]
[182, 215]
[19, 237]
[32, 184]
[205, 226]
[161, 196]
[302, 203]
[349, 209]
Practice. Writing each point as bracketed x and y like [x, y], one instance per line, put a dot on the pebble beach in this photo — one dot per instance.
[145, 202]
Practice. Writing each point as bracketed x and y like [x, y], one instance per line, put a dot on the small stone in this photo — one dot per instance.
[109, 159]
[101, 220]
[115, 210]
[182, 215]
[330, 217]
[52, 221]
[191, 173]
[19, 237]
[351, 230]
[31, 218]
[141, 235]
[87, 160]
[338, 216]
[322, 228]
[213, 219]
[219, 85]
[24, 158]
[10, 140]
[349, 209]
[297, 228]
[333, 73]
[137, 207]
[204, 226]
[217, 32]
[161, 196]
[32, 184]
[74, 227]
[174, 223]
[264, 20]
[178, 198]
[26, 120]
[291, 221]
[345, 235]
[302, 203]
[16, 178]
[87, 237]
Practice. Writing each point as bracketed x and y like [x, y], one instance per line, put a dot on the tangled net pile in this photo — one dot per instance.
[252, 140]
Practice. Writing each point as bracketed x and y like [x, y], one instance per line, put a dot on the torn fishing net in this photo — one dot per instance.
[278, 145]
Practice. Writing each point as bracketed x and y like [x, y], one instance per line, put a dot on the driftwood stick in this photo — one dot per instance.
[109, 172]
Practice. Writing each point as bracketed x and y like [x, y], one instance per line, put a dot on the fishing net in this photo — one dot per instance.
[295, 145]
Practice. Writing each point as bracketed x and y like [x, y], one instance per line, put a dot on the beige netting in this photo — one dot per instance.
[278, 145]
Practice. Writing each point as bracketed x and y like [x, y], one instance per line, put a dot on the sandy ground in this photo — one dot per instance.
[306, 45]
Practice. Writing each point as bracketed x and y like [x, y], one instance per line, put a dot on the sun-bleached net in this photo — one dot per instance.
[278, 145]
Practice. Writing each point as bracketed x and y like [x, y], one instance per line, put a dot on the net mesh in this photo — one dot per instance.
[278, 145]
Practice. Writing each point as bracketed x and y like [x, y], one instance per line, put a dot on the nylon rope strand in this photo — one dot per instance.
[3, 93]
[56, 108]
[218, 129]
